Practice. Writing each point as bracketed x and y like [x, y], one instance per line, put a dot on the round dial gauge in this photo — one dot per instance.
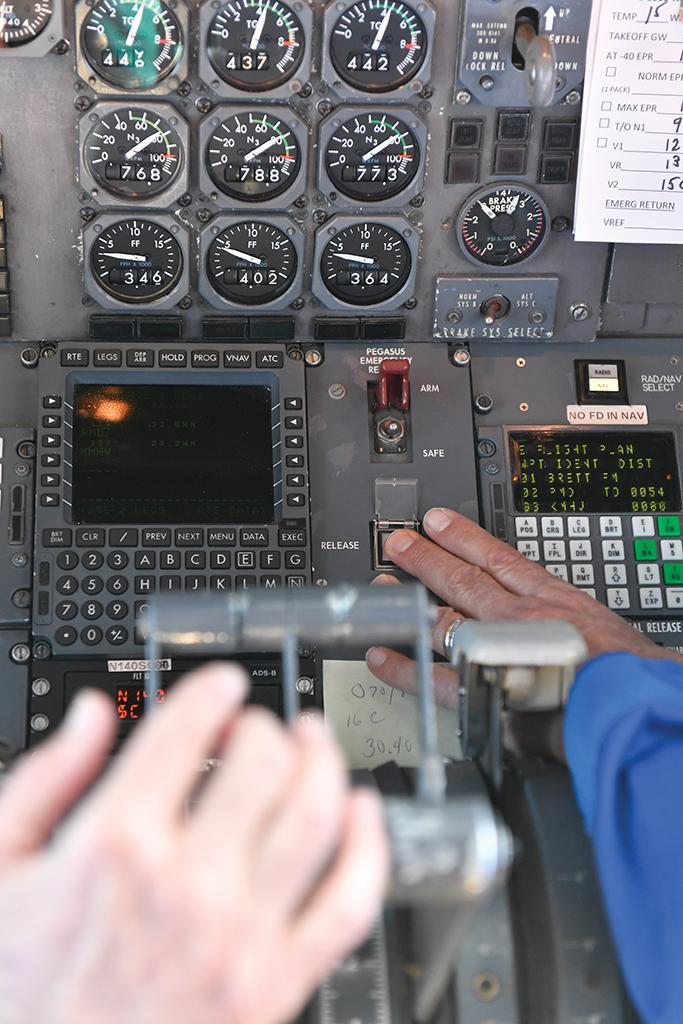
[253, 156]
[502, 225]
[136, 261]
[365, 264]
[133, 153]
[252, 263]
[131, 44]
[378, 45]
[255, 45]
[372, 156]
[21, 21]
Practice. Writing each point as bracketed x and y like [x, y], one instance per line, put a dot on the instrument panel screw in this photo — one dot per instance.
[523, 406]
[61, 47]
[324, 108]
[204, 216]
[21, 469]
[336, 391]
[313, 357]
[679, 406]
[410, 303]
[82, 102]
[40, 687]
[486, 448]
[579, 311]
[560, 224]
[300, 202]
[203, 104]
[418, 200]
[486, 987]
[304, 685]
[306, 90]
[20, 559]
[463, 97]
[185, 199]
[21, 598]
[41, 650]
[537, 317]
[39, 723]
[492, 468]
[573, 97]
[521, 362]
[20, 654]
[184, 89]
[427, 92]
[26, 450]
[483, 404]
[461, 357]
[185, 302]
[86, 213]
[319, 216]
[298, 303]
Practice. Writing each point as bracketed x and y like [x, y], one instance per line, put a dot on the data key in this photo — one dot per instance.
[645, 550]
[673, 572]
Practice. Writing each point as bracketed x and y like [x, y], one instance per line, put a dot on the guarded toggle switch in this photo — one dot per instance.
[393, 389]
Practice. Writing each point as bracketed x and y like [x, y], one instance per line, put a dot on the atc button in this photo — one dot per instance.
[270, 360]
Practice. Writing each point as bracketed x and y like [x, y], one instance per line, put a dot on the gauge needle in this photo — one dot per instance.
[382, 29]
[487, 210]
[136, 25]
[244, 256]
[134, 257]
[354, 259]
[261, 149]
[513, 205]
[142, 145]
[378, 149]
[256, 38]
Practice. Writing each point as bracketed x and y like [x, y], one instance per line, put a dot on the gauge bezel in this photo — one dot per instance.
[332, 227]
[493, 186]
[107, 301]
[165, 87]
[222, 89]
[208, 187]
[331, 16]
[223, 221]
[97, 191]
[45, 41]
[330, 126]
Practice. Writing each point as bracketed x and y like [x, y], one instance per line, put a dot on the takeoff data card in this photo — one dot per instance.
[630, 181]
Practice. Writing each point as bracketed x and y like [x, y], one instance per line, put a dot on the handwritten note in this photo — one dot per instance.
[376, 723]
[630, 180]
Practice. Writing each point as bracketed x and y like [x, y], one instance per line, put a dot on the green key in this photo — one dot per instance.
[673, 572]
[669, 526]
[645, 549]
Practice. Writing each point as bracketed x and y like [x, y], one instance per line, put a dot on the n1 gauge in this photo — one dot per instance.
[366, 264]
[255, 45]
[131, 44]
[22, 21]
[372, 156]
[378, 45]
[251, 263]
[136, 261]
[133, 153]
[501, 225]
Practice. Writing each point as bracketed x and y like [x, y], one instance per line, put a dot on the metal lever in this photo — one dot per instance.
[510, 666]
[540, 62]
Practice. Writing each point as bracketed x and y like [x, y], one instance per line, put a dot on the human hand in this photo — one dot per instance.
[480, 577]
[139, 912]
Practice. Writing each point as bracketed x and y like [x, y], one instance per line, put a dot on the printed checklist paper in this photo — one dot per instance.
[630, 180]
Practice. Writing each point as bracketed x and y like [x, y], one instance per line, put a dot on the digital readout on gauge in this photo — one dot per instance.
[573, 471]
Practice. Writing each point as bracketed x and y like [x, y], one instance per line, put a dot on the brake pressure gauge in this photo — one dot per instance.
[365, 263]
[502, 225]
[134, 153]
[131, 44]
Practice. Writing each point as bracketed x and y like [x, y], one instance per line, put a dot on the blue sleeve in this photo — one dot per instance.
[624, 742]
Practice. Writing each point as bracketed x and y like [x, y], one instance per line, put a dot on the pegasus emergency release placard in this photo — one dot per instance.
[630, 183]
